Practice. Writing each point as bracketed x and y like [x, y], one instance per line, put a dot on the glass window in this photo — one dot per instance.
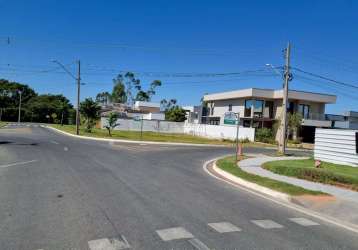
[248, 104]
[230, 107]
[258, 108]
[268, 109]
[304, 110]
[246, 123]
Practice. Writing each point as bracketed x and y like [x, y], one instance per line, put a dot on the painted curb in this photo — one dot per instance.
[342, 224]
[131, 141]
[251, 185]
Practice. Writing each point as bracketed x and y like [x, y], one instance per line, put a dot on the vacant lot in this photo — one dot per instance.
[147, 136]
[329, 173]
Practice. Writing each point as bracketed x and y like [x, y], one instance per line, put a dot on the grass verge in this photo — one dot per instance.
[228, 164]
[147, 136]
[2, 124]
[329, 173]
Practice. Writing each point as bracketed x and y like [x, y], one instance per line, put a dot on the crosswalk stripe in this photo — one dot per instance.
[174, 233]
[109, 244]
[199, 245]
[266, 224]
[224, 227]
[304, 222]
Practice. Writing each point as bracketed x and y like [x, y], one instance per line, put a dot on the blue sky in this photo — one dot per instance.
[180, 36]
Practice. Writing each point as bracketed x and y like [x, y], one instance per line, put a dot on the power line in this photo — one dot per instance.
[326, 78]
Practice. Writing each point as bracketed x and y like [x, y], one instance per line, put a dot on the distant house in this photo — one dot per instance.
[144, 110]
[349, 120]
[259, 108]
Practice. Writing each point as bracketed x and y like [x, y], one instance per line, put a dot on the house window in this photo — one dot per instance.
[248, 105]
[304, 110]
[246, 123]
[268, 109]
[230, 107]
[258, 108]
[212, 111]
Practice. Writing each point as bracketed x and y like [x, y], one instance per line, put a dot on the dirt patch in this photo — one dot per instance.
[314, 201]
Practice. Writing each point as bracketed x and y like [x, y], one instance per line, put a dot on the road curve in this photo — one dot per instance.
[58, 192]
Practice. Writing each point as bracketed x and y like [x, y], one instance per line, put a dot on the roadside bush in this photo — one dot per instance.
[245, 140]
[264, 135]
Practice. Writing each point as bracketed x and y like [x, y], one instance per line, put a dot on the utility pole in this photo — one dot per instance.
[19, 117]
[78, 98]
[78, 81]
[283, 125]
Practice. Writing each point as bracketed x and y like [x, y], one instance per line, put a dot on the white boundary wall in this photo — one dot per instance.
[336, 146]
[204, 130]
[219, 131]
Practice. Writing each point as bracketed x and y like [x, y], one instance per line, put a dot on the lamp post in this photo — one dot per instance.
[19, 116]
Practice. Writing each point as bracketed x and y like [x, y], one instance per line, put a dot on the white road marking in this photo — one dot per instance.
[224, 227]
[304, 222]
[17, 163]
[109, 244]
[65, 148]
[174, 233]
[54, 142]
[267, 224]
[198, 244]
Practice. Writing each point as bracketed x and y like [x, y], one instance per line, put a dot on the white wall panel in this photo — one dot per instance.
[336, 146]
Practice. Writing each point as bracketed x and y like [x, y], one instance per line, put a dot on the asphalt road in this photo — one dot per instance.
[58, 192]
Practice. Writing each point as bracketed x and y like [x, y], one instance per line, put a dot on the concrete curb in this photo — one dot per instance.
[132, 141]
[288, 203]
[251, 185]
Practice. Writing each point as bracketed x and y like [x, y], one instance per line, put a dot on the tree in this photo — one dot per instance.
[111, 122]
[153, 86]
[90, 111]
[294, 123]
[9, 98]
[38, 107]
[103, 98]
[119, 91]
[142, 96]
[175, 114]
[165, 104]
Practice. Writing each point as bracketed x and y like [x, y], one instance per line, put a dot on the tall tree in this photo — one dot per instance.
[119, 90]
[167, 104]
[103, 98]
[90, 111]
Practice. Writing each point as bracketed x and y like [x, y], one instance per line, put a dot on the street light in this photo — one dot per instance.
[19, 117]
[274, 69]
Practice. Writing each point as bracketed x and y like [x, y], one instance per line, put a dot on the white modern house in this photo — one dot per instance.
[259, 108]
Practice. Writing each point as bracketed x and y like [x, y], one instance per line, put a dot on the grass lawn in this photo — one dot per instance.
[228, 164]
[147, 136]
[329, 173]
[2, 124]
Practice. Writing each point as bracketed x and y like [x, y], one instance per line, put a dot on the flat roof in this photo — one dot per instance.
[271, 94]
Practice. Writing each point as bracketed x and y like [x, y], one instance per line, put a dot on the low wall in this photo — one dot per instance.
[148, 125]
[219, 131]
[336, 146]
[204, 130]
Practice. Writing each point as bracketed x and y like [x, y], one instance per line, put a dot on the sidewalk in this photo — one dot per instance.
[344, 206]
[253, 165]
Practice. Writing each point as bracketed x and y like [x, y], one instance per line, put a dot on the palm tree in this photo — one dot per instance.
[90, 111]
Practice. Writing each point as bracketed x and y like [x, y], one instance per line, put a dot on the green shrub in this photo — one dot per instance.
[264, 135]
